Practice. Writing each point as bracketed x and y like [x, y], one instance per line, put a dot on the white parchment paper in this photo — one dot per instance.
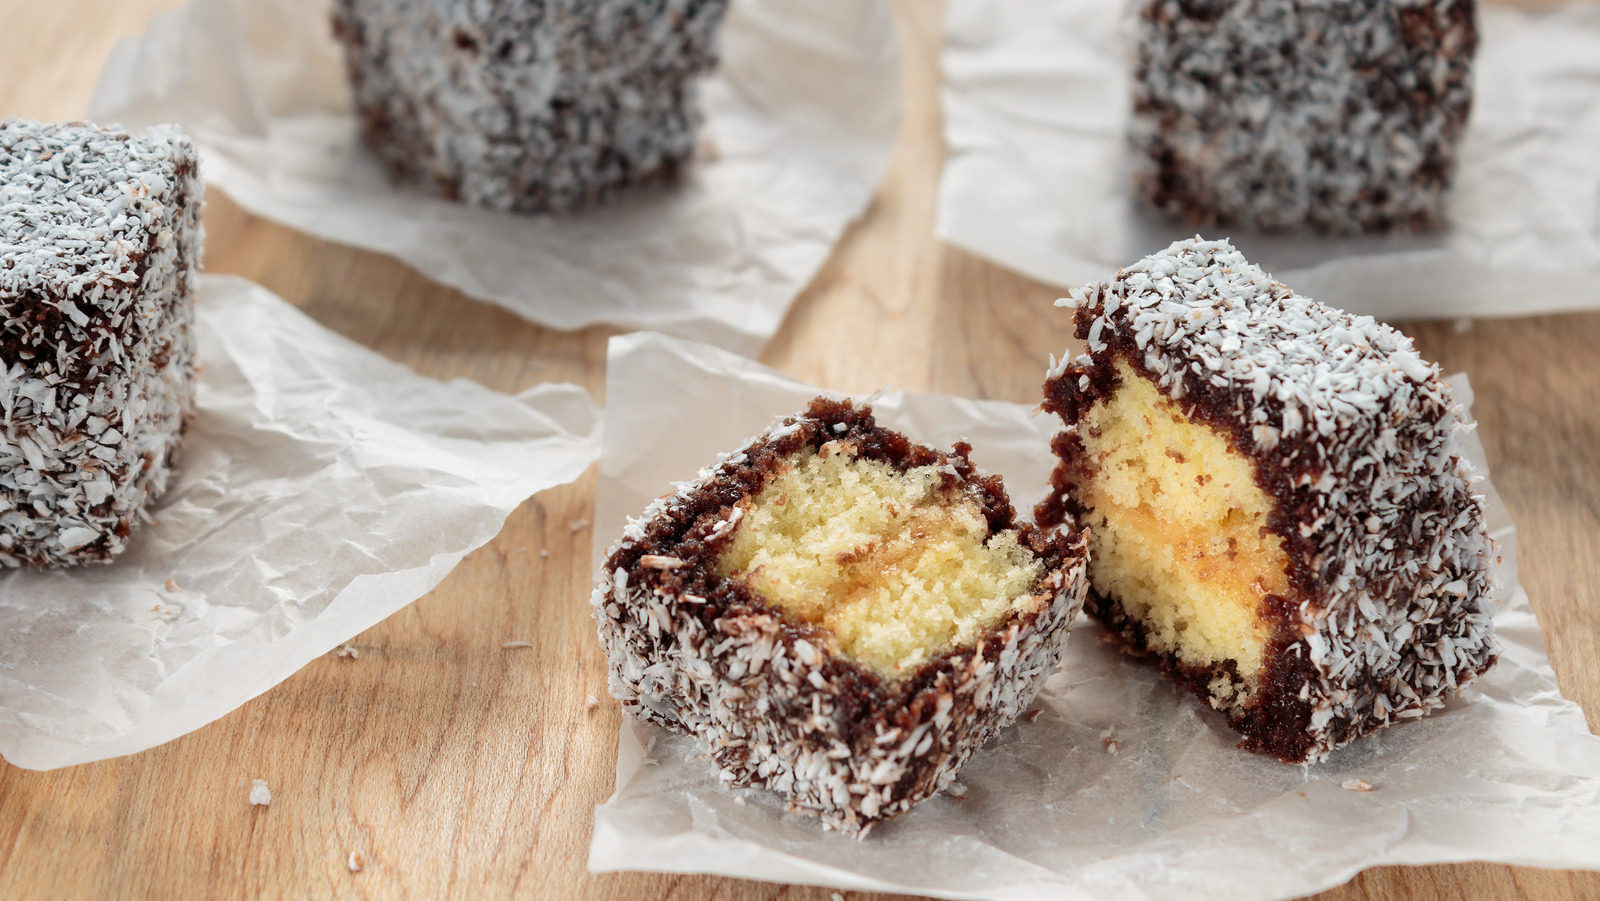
[321, 487]
[1508, 772]
[1035, 105]
[800, 120]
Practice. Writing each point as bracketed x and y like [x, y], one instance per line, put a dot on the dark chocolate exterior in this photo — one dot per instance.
[1355, 439]
[769, 699]
[1345, 116]
[528, 105]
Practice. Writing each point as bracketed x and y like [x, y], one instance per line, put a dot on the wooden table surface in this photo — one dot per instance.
[459, 768]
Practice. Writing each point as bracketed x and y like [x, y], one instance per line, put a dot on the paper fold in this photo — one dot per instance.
[320, 488]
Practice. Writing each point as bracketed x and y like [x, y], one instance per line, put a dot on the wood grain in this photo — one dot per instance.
[459, 768]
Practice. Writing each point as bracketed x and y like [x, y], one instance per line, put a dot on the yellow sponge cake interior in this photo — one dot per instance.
[897, 566]
[1180, 534]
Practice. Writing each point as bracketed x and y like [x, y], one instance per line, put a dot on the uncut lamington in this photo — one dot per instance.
[1347, 517]
[99, 247]
[776, 699]
[529, 105]
[1338, 115]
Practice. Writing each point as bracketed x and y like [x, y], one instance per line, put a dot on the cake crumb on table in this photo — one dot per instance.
[260, 795]
[591, 702]
[957, 790]
[356, 862]
[1357, 785]
[345, 650]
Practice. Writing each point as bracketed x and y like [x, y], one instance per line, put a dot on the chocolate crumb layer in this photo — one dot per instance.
[1354, 438]
[769, 698]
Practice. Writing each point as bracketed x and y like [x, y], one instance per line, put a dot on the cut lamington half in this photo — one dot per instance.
[837, 613]
[99, 247]
[1280, 512]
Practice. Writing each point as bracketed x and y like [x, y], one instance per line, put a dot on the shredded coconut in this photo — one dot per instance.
[260, 795]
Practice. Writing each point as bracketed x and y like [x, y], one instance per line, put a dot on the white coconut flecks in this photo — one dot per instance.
[1355, 436]
[1277, 113]
[99, 246]
[777, 706]
[529, 106]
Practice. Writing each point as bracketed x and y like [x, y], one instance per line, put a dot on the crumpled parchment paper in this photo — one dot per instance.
[1035, 103]
[320, 488]
[800, 121]
[1508, 772]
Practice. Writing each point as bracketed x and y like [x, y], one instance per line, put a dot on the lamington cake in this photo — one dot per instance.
[1281, 516]
[99, 246]
[1341, 116]
[837, 614]
[530, 105]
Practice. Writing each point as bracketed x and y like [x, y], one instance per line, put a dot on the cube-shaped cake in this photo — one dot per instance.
[99, 246]
[1342, 116]
[1281, 516]
[837, 614]
[530, 105]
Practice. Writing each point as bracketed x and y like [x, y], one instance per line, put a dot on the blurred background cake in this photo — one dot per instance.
[531, 105]
[1341, 116]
